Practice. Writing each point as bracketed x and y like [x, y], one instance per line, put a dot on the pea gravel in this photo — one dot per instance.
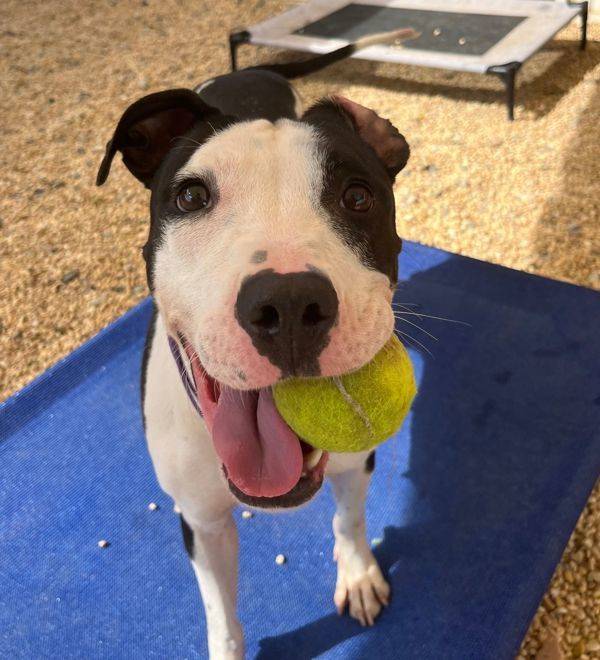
[526, 195]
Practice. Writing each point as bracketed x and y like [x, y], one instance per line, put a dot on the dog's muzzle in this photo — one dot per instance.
[288, 317]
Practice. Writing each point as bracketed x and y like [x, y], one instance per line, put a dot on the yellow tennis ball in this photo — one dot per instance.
[353, 412]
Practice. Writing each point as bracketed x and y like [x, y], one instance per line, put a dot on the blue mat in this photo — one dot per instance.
[474, 500]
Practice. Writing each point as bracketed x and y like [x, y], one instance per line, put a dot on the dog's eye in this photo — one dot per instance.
[193, 197]
[357, 197]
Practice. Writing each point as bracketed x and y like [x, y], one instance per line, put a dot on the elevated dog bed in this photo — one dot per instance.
[492, 36]
[472, 502]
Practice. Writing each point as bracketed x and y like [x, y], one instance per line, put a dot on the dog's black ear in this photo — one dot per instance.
[380, 134]
[147, 128]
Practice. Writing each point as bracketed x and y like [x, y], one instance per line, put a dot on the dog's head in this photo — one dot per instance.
[272, 253]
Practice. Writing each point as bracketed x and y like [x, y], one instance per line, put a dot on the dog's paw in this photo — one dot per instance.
[360, 586]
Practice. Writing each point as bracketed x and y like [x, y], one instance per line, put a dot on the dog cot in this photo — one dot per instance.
[492, 36]
[470, 506]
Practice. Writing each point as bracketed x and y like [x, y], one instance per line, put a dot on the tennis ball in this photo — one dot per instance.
[353, 412]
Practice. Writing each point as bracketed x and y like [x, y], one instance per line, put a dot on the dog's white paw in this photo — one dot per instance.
[360, 585]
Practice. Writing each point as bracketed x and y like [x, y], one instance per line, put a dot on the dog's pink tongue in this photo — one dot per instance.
[262, 454]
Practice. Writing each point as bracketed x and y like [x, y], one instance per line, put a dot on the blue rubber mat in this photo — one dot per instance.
[474, 500]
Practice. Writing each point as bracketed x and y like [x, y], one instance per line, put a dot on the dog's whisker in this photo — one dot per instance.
[404, 310]
[179, 147]
[418, 328]
[429, 316]
[185, 137]
[405, 307]
[416, 341]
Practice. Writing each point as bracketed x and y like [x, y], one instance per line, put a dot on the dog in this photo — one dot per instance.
[272, 253]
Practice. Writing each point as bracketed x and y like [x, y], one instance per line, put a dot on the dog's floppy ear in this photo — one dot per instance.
[380, 134]
[147, 128]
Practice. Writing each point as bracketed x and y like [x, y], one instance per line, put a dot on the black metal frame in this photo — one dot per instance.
[583, 12]
[236, 39]
[506, 72]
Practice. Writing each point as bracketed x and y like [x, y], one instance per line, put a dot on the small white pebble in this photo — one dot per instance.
[376, 541]
[247, 514]
[280, 560]
[462, 41]
[103, 543]
[437, 32]
[153, 506]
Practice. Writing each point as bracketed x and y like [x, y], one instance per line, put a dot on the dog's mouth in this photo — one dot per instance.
[265, 462]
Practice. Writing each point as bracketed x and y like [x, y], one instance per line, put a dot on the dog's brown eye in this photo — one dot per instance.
[357, 197]
[193, 197]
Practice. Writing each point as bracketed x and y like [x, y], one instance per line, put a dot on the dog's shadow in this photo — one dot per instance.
[317, 637]
[485, 435]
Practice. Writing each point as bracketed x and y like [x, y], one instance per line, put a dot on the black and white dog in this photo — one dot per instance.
[272, 252]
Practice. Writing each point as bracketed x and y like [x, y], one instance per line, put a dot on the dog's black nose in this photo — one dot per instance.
[288, 318]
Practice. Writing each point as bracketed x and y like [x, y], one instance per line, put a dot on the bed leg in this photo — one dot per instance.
[507, 73]
[584, 21]
[236, 39]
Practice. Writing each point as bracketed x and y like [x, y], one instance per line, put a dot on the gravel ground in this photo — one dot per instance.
[525, 195]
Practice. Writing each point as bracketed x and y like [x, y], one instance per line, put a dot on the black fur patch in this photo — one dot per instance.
[188, 537]
[251, 94]
[372, 234]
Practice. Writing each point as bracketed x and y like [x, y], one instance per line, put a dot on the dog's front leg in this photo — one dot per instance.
[360, 584]
[213, 549]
